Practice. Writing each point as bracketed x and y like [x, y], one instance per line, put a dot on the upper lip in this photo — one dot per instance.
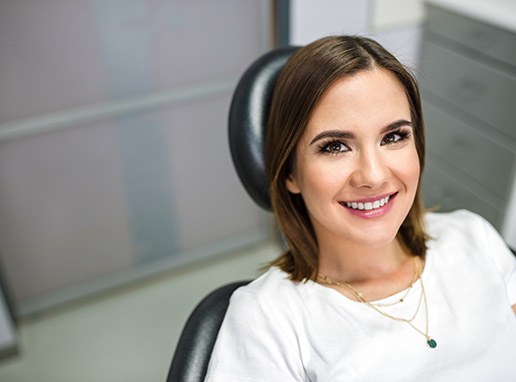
[371, 199]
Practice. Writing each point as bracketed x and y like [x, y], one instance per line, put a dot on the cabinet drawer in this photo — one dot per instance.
[469, 150]
[440, 190]
[481, 37]
[482, 91]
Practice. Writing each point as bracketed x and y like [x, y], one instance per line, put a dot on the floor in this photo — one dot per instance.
[124, 335]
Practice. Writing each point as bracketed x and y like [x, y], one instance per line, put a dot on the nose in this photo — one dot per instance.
[371, 170]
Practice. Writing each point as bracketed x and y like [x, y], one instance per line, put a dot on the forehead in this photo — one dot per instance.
[366, 101]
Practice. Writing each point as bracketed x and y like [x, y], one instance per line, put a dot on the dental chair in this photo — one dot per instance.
[247, 122]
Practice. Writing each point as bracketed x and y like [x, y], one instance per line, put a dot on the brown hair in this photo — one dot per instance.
[304, 79]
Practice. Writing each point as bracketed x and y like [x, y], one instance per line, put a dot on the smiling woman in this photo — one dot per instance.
[369, 286]
[346, 96]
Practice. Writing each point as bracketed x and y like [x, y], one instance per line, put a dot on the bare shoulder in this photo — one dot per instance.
[514, 308]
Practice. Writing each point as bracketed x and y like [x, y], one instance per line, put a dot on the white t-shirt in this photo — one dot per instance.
[279, 330]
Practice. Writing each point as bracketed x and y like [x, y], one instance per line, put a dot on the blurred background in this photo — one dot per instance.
[119, 205]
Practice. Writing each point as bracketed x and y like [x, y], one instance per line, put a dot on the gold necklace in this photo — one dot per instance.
[422, 298]
[326, 280]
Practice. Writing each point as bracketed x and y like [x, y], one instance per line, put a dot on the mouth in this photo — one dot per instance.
[369, 204]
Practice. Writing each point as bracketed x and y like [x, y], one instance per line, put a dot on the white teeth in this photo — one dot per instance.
[368, 206]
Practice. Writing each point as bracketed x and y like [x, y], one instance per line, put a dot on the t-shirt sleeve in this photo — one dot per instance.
[503, 258]
[255, 343]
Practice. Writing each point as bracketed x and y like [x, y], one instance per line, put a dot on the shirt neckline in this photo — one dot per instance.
[332, 293]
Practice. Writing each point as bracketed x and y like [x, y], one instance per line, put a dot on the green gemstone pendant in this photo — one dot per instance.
[431, 343]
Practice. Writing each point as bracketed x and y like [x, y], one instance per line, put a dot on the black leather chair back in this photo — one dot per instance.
[248, 117]
[193, 350]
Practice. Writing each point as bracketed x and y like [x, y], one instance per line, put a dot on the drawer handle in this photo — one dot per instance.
[469, 89]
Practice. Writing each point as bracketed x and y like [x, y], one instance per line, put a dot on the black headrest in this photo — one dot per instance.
[248, 117]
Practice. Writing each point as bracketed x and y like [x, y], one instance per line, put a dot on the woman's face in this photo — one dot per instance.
[357, 167]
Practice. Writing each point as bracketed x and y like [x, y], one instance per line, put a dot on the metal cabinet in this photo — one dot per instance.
[468, 82]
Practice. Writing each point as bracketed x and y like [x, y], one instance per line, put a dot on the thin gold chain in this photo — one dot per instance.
[405, 295]
[360, 297]
[422, 298]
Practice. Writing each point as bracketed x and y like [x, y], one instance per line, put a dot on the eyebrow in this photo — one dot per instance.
[342, 134]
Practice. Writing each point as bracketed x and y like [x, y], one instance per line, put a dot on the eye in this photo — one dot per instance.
[333, 147]
[395, 137]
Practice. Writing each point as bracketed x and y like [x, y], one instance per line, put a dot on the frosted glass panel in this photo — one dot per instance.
[73, 207]
[115, 191]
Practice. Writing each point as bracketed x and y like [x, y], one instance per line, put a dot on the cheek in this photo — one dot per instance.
[411, 170]
[321, 182]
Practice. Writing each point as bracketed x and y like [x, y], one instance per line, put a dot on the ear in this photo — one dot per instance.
[292, 185]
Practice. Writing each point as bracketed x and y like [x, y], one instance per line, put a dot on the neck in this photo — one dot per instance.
[362, 264]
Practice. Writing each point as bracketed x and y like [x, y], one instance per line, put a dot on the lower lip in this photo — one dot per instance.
[374, 213]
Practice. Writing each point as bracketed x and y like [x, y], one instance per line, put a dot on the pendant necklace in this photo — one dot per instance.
[432, 343]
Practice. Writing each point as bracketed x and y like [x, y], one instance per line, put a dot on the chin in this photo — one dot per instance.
[378, 242]
[379, 236]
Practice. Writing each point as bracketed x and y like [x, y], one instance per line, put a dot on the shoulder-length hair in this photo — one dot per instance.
[306, 76]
